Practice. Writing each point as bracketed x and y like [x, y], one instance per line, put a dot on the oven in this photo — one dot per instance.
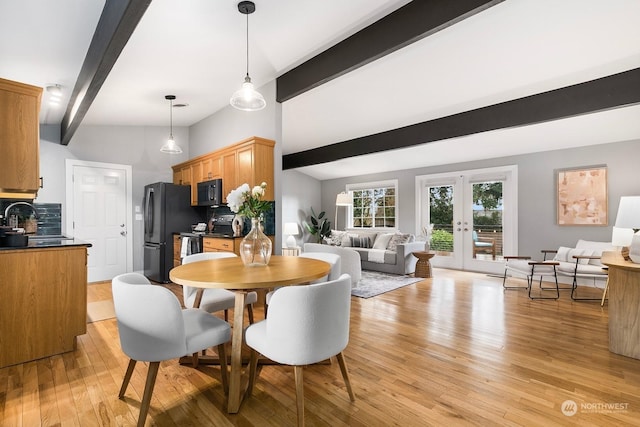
[190, 243]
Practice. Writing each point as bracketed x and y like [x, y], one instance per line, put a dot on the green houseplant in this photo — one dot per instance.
[318, 225]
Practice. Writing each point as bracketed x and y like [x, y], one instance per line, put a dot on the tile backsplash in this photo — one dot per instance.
[49, 218]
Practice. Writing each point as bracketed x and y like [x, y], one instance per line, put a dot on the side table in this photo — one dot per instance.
[423, 265]
[291, 251]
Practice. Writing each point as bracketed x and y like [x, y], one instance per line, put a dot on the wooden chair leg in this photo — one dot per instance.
[604, 294]
[299, 394]
[226, 316]
[250, 313]
[253, 371]
[345, 375]
[222, 355]
[127, 378]
[148, 390]
[194, 359]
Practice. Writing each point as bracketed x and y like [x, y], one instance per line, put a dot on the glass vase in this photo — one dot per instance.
[255, 248]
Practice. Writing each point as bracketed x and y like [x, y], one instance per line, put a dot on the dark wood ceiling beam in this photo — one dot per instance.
[118, 20]
[412, 22]
[615, 91]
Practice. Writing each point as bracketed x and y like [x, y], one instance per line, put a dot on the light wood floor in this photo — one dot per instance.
[450, 351]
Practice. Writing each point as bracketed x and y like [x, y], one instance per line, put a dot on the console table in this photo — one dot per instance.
[624, 305]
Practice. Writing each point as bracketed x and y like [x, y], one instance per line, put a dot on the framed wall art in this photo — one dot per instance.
[582, 196]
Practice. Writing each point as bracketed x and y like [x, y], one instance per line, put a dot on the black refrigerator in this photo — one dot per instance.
[167, 210]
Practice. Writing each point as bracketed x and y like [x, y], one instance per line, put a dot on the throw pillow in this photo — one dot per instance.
[360, 242]
[566, 255]
[382, 240]
[562, 254]
[398, 239]
[335, 238]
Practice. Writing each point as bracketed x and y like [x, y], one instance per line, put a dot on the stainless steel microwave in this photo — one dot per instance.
[210, 193]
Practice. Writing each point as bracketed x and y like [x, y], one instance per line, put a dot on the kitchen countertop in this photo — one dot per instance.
[40, 243]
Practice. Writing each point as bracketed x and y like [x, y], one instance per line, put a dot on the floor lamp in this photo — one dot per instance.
[342, 199]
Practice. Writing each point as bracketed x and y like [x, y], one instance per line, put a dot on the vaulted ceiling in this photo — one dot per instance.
[485, 84]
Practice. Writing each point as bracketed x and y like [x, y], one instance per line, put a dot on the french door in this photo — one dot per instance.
[470, 216]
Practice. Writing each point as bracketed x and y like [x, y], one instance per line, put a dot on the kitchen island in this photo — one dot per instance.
[44, 299]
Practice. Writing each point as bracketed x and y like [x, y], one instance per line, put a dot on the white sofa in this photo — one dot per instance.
[388, 252]
[349, 259]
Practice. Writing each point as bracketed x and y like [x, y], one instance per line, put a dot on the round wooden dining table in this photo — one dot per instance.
[232, 274]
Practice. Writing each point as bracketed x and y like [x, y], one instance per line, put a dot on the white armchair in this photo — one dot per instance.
[215, 299]
[306, 324]
[153, 327]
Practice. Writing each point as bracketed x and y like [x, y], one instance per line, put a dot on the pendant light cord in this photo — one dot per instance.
[171, 118]
[247, 45]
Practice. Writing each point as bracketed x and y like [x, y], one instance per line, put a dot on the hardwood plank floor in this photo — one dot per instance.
[453, 350]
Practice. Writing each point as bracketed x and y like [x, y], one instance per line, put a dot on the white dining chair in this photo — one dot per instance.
[153, 327]
[333, 259]
[215, 299]
[307, 324]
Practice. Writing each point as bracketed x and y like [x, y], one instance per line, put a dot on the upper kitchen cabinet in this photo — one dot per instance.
[250, 161]
[19, 139]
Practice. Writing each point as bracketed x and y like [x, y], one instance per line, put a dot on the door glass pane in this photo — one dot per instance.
[441, 216]
[487, 220]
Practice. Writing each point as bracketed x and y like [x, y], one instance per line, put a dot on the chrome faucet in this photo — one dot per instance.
[6, 211]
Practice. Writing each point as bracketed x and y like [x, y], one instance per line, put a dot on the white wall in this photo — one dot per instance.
[137, 146]
[300, 192]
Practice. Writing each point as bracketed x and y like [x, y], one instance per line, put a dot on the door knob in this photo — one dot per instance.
[121, 225]
[123, 233]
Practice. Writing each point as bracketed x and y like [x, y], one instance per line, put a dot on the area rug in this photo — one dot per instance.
[374, 283]
[100, 310]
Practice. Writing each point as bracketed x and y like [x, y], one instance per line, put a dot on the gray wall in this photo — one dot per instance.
[537, 228]
[300, 192]
[137, 146]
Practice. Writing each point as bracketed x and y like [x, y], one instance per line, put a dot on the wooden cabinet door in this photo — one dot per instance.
[211, 168]
[229, 176]
[177, 177]
[244, 166]
[196, 177]
[19, 136]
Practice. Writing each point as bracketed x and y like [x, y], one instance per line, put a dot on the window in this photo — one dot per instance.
[374, 205]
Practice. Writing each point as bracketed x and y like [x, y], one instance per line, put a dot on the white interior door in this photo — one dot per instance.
[467, 235]
[99, 212]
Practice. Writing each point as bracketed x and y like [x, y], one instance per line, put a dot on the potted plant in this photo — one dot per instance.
[318, 226]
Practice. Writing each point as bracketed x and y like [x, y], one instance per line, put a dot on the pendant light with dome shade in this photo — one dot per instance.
[247, 98]
[170, 147]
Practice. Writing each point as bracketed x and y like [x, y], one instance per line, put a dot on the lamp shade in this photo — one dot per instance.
[291, 228]
[621, 236]
[628, 212]
[344, 199]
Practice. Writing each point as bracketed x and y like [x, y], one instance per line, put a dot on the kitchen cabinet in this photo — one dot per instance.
[215, 244]
[218, 244]
[250, 161]
[44, 302]
[229, 174]
[177, 247]
[19, 139]
[211, 168]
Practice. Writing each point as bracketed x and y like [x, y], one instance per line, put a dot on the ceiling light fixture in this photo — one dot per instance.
[170, 146]
[247, 98]
[55, 94]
